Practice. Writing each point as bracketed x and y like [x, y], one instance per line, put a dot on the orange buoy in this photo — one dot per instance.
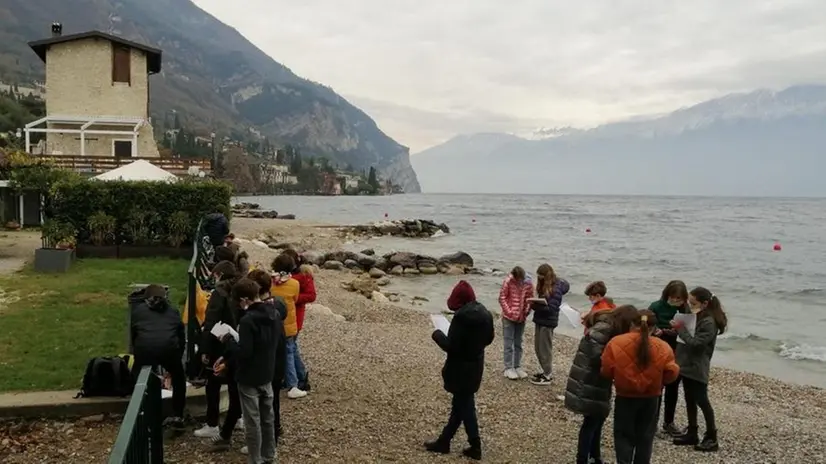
[777, 246]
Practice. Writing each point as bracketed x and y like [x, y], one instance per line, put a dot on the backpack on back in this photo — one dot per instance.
[107, 376]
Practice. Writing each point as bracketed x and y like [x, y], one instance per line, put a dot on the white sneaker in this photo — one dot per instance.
[207, 432]
[521, 373]
[245, 450]
[511, 374]
[240, 425]
[295, 393]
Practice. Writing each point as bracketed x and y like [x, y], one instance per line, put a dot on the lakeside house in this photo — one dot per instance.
[97, 96]
[97, 112]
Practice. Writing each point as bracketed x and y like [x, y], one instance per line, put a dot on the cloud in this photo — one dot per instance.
[495, 64]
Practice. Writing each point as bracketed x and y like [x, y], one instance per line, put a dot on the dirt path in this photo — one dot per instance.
[17, 248]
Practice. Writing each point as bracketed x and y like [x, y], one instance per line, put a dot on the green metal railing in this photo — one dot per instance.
[140, 439]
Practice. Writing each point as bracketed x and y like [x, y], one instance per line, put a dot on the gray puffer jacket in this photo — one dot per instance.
[694, 356]
[587, 392]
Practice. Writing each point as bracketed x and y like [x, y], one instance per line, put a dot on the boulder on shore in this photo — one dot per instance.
[460, 258]
[413, 228]
[333, 265]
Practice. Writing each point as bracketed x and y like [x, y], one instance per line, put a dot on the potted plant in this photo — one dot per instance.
[102, 235]
[177, 229]
[58, 247]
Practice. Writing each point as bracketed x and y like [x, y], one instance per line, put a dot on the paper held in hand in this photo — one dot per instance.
[440, 323]
[690, 321]
[537, 301]
[220, 329]
[573, 316]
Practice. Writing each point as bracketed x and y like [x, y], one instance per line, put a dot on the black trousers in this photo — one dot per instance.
[172, 363]
[635, 424]
[233, 412]
[696, 395]
[671, 392]
[590, 436]
[213, 398]
[462, 411]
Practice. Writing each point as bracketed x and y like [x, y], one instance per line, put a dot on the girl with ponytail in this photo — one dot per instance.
[694, 358]
[639, 364]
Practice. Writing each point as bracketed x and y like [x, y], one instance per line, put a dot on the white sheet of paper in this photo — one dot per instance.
[440, 323]
[573, 316]
[220, 329]
[168, 393]
[690, 321]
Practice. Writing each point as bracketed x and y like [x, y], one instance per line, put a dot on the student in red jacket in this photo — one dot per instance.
[303, 273]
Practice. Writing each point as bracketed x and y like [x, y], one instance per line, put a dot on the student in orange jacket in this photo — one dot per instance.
[639, 364]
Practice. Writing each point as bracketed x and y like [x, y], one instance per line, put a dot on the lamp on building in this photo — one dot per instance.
[19, 133]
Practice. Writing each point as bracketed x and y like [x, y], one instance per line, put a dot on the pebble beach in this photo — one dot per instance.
[377, 394]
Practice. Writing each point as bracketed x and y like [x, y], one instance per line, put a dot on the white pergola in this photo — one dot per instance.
[84, 123]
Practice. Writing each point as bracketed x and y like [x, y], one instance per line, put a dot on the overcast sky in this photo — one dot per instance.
[428, 69]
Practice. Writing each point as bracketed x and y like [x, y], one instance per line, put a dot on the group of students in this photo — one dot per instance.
[266, 308]
[643, 354]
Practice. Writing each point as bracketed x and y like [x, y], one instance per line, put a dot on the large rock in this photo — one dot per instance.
[364, 285]
[379, 297]
[377, 273]
[283, 246]
[333, 265]
[369, 252]
[460, 258]
[450, 269]
[389, 228]
[428, 269]
[383, 281]
[314, 257]
[366, 261]
[404, 259]
[397, 270]
[412, 271]
[341, 256]
[352, 264]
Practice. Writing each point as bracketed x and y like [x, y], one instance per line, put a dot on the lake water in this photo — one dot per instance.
[774, 299]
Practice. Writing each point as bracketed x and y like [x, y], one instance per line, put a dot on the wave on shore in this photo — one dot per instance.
[785, 349]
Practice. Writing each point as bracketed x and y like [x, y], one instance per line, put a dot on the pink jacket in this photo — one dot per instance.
[513, 299]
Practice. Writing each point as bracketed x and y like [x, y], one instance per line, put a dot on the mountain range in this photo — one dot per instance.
[213, 77]
[761, 143]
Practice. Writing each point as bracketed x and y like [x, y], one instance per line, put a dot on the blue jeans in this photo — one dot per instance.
[295, 366]
[512, 333]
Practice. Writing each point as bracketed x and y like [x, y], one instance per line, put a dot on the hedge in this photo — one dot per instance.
[127, 202]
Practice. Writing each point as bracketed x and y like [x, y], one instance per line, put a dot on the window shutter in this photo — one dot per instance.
[121, 64]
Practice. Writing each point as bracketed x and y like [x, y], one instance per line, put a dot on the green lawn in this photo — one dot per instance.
[51, 324]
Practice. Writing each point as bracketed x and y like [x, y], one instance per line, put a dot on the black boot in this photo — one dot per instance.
[690, 438]
[438, 446]
[709, 443]
[474, 451]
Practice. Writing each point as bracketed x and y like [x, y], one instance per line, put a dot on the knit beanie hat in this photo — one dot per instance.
[461, 295]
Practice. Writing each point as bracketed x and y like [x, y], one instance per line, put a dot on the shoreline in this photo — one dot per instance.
[761, 419]
[377, 394]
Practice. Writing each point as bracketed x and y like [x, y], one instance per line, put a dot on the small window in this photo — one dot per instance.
[121, 64]
[122, 148]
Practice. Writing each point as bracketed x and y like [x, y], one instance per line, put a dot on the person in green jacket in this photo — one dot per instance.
[694, 358]
[674, 299]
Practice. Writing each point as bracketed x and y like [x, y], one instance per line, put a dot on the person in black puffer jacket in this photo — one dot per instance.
[159, 339]
[550, 289]
[587, 392]
[471, 331]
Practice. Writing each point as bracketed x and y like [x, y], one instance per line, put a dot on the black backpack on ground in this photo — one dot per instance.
[107, 376]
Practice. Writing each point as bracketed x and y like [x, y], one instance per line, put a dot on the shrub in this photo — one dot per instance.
[58, 234]
[101, 228]
[140, 209]
[177, 228]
